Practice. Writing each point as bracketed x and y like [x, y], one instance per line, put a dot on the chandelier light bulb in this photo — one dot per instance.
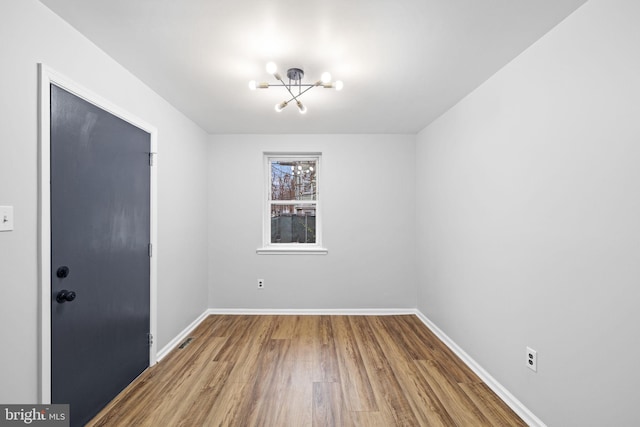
[326, 77]
[339, 85]
[271, 67]
[253, 85]
[280, 107]
[301, 107]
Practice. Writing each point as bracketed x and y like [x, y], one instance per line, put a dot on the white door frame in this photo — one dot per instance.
[46, 77]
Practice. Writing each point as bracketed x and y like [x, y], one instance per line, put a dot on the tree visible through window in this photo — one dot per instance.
[293, 200]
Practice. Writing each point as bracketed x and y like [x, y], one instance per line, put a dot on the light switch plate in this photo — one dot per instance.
[6, 218]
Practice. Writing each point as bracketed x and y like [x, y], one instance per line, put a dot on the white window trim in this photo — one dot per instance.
[269, 248]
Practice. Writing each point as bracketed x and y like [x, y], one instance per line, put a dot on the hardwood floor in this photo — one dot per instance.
[309, 371]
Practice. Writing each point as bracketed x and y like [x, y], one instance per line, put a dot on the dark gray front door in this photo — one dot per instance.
[100, 232]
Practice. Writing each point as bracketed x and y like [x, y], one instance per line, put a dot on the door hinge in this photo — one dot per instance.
[150, 339]
[150, 250]
[151, 156]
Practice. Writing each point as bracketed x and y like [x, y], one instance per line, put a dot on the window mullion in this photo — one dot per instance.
[293, 202]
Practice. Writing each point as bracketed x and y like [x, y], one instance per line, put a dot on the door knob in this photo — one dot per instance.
[62, 272]
[65, 295]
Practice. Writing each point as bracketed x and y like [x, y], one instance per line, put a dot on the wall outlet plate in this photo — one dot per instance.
[260, 283]
[532, 359]
[6, 218]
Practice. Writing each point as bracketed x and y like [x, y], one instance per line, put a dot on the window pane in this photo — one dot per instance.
[293, 224]
[293, 179]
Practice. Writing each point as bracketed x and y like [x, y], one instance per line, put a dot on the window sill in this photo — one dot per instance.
[292, 251]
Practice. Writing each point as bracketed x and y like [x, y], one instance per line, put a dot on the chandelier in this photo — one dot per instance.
[295, 87]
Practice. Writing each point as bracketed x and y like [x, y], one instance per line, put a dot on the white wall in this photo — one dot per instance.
[29, 34]
[370, 263]
[529, 220]
[527, 213]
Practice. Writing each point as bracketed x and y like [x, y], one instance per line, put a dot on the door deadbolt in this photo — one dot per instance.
[62, 272]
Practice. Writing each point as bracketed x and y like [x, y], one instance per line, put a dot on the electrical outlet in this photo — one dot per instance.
[260, 283]
[532, 359]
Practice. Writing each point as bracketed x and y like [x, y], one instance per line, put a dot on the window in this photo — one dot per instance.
[292, 208]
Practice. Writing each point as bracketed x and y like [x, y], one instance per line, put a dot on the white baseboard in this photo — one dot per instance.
[181, 336]
[316, 312]
[504, 394]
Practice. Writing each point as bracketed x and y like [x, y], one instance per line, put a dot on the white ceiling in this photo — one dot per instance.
[403, 62]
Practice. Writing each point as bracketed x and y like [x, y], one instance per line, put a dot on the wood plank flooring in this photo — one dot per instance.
[309, 371]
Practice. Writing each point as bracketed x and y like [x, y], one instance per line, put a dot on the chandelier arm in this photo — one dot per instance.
[277, 76]
[284, 85]
[303, 92]
[291, 93]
